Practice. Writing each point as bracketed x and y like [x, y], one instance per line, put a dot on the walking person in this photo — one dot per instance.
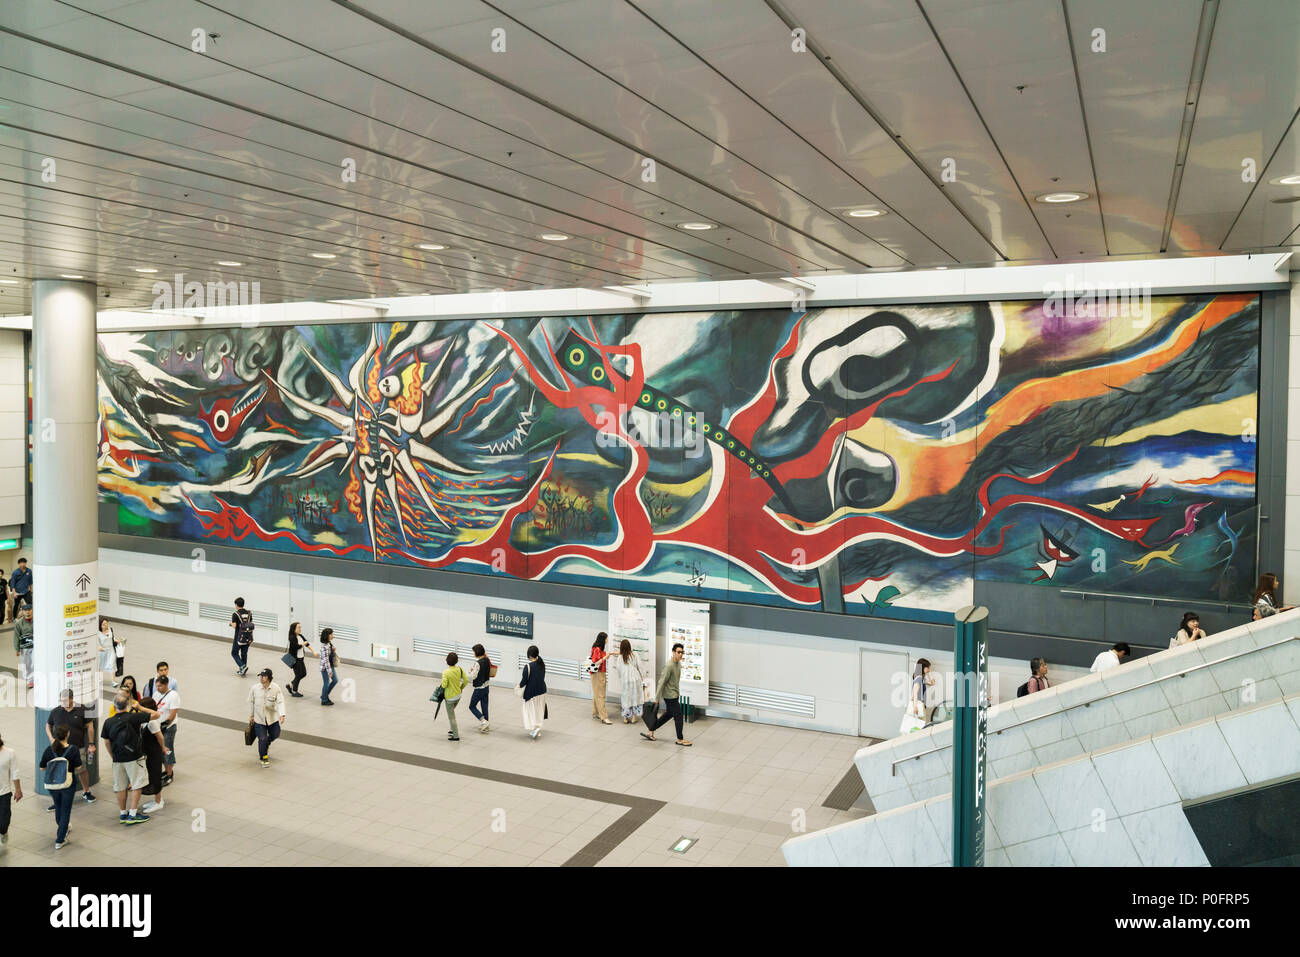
[107, 656]
[266, 708]
[1189, 630]
[667, 689]
[123, 732]
[298, 649]
[478, 699]
[329, 661]
[632, 683]
[81, 735]
[532, 688]
[20, 583]
[4, 597]
[25, 642]
[155, 753]
[453, 685]
[59, 765]
[1112, 657]
[241, 620]
[599, 678]
[11, 789]
[1037, 678]
[119, 654]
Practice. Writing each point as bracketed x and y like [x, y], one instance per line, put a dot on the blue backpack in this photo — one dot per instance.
[58, 774]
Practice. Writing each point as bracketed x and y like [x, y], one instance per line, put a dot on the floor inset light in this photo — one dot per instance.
[694, 226]
[145, 269]
[430, 247]
[66, 275]
[1062, 197]
[865, 213]
[323, 256]
[554, 237]
[228, 262]
[683, 844]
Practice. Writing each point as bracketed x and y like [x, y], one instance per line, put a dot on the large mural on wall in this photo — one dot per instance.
[867, 460]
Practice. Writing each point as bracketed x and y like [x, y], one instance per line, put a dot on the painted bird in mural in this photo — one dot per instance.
[1164, 555]
[1108, 506]
[1189, 521]
[1230, 539]
[387, 428]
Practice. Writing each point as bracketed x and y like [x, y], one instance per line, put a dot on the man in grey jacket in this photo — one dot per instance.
[668, 690]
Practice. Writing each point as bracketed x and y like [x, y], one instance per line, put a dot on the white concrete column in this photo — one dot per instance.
[65, 530]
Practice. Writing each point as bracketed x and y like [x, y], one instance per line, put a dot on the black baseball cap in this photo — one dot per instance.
[266, 673]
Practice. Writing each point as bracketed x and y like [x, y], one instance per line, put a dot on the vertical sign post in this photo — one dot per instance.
[969, 733]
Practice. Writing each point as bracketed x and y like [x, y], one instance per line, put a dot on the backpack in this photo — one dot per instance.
[244, 633]
[1022, 690]
[58, 774]
[126, 741]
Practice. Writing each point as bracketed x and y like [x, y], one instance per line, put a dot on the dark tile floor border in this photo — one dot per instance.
[639, 809]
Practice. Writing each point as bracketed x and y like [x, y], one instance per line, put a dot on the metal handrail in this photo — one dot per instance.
[893, 767]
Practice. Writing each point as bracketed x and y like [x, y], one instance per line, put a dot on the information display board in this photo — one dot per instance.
[688, 623]
[67, 624]
[637, 620]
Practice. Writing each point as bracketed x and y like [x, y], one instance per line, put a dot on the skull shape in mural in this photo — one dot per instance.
[384, 437]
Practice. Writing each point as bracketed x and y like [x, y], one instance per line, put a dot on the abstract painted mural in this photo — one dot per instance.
[867, 460]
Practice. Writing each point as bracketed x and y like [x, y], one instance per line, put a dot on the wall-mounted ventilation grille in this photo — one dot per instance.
[342, 632]
[136, 599]
[764, 700]
[556, 667]
[105, 596]
[214, 612]
[720, 693]
[432, 646]
[266, 620]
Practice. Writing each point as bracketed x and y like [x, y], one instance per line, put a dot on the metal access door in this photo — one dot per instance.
[881, 672]
[302, 600]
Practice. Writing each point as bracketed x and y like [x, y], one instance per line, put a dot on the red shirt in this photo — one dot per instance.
[598, 655]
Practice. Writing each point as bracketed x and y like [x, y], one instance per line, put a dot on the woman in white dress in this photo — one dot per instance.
[631, 682]
[532, 688]
[107, 654]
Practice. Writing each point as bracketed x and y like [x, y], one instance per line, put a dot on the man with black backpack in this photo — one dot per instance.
[123, 732]
[242, 621]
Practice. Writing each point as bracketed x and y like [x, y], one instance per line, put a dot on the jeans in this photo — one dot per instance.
[62, 811]
[240, 654]
[266, 733]
[328, 679]
[169, 738]
[450, 704]
[479, 697]
[674, 712]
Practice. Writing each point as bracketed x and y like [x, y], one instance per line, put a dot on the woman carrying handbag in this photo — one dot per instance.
[632, 684]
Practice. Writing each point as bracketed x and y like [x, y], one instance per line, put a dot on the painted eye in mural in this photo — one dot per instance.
[577, 357]
[221, 420]
[645, 398]
[368, 468]
[868, 360]
[661, 404]
[597, 374]
[386, 463]
[390, 387]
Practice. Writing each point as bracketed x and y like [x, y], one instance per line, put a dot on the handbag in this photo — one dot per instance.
[290, 661]
[519, 689]
[249, 734]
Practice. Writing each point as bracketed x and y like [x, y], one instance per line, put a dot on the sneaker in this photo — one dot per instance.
[60, 844]
[121, 818]
[452, 738]
[4, 838]
[50, 808]
[153, 806]
[326, 703]
[486, 726]
[140, 818]
[114, 684]
[166, 780]
[266, 762]
[88, 797]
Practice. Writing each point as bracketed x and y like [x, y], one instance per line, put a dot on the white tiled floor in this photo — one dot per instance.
[741, 789]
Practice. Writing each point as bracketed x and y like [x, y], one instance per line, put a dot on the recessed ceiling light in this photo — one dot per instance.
[430, 247]
[8, 282]
[323, 256]
[694, 226]
[940, 267]
[865, 213]
[1292, 180]
[1066, 196]
[228, 262]
[67, 275]
[554, 237]
[145, 269]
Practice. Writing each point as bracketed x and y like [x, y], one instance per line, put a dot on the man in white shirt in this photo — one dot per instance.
[1111, 659]
[266, 709]
[169, 707]
[11, 789]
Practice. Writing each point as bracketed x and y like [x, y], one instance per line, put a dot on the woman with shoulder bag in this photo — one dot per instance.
[532, 689]
[298, 649]
[631, 682]
[914, 719]
[329, 661]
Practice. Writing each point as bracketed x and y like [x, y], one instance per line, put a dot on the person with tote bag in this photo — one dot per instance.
[632, 684]
[915, 718]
